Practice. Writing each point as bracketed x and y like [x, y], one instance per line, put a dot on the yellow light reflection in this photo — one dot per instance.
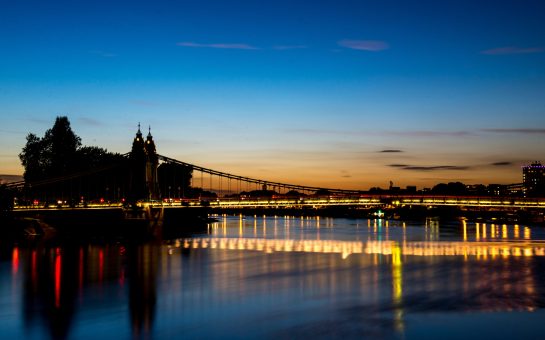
[527, 233]
[346, 248]
[397, 286]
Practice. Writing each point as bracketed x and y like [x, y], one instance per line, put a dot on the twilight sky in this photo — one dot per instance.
[347, 94]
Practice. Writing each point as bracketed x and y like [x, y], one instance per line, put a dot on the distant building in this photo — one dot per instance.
[411, 189]
[497, 190]
[533, 179]
[516, 189]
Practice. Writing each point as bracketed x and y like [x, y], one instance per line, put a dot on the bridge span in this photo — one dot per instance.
[316, 202]
[139, 181]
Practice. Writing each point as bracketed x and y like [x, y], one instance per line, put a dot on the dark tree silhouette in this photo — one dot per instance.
[33, 158]
[322, 192]
[452, 188]
[6, 200]
[61, 145]
[53, 155]
[174, 180]
[59, 153]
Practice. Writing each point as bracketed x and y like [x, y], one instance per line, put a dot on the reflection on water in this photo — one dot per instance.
[277, 276]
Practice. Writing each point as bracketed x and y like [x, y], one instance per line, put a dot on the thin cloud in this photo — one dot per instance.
[513, 50]
[89, 121]
[429, 168]
[365, 45]
[390, 151]
[501, 163]
[139, 102]
[404, 133]
[289, 47]
[12, 131]
[103, 54]
[518, 130]
[311, 131]
[219, 45]
[429, 133]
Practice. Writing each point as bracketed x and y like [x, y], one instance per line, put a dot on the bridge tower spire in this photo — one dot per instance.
[152, 164]
[143, 167]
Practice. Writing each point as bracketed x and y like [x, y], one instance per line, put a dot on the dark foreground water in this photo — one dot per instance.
[283, 278]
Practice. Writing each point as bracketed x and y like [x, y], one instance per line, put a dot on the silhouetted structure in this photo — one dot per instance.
[533, 179]
[144, 161]
[174, 180]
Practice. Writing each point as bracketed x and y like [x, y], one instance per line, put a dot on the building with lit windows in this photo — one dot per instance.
[533, 179]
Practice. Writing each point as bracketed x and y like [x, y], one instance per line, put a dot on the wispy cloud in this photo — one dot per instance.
[516, 130]
[429, 133]
[364, 45]
[140, 102]
[288, 47]
[405, 133]
[513, 50]
[89, 121]
[390, 151]
[501, 163]
[38, 120]
[429, 168]
[12, 131]
[311, 131]
[103, 53]
[218, 45]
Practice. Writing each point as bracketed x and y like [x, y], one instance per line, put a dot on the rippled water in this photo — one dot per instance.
[283, 277]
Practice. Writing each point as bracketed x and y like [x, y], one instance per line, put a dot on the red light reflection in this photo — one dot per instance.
[15, 260]
[58, 278]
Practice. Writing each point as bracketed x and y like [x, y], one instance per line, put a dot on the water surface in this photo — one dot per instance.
[284, 277]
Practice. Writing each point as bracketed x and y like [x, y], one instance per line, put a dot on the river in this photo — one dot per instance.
[282, 277]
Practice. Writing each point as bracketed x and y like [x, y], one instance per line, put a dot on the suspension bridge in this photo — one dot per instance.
[149, 179]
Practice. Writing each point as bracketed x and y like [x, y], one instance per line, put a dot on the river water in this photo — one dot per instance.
[283, 277]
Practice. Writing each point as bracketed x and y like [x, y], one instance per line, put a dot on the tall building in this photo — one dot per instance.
[533, 179]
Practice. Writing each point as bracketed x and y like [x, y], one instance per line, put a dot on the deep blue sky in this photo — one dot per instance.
[307, 92]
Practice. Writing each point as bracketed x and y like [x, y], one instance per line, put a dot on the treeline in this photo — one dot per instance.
[59, 152]
[59, 168]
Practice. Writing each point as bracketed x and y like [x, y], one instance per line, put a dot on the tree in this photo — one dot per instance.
[6, 199]
[59, 153]
[452, 188]
[53, 155]
[61, 144]
[33, 158]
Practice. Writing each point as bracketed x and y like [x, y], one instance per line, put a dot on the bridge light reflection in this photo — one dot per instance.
[397, 286]
[390, 248]
[58, 264]
[15, 260]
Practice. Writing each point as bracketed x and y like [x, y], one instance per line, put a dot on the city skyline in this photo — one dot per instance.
[348, 95]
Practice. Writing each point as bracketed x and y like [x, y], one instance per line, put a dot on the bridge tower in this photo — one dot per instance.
[152, 162]
[143, 168]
